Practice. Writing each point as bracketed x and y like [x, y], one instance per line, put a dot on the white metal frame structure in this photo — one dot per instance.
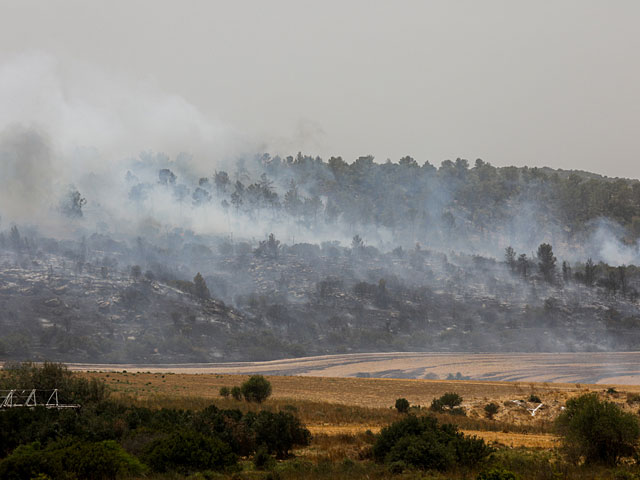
[29, 398]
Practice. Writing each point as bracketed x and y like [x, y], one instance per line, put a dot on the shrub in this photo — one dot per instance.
[256, 389]
[278, 432]
[236, 393]
[262, 460]
[402, 405]
[449, 403]
[422, 443]
[229, 426]
[47, 376]
[534, 399]
[490, 409]
[65, 459]
[187, 451]
[599, 432]
[633, 398]
[225, 392]
[497, 474]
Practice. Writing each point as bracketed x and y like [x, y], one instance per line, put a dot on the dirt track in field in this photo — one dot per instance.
[619, 368]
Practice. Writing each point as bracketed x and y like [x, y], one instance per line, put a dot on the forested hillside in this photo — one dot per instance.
[291, 257]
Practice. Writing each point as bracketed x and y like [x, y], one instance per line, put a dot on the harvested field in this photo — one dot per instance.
[365, 401]
[621, 368]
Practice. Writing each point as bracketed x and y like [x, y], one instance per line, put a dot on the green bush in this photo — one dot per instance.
[236, 393]
[262, 460]
[497, 474]
[597, 431]
[47, 376]
[422, 443]
[524, 461]
[256, 389]
[67, 459]
[402, 405]
[278, 432]
[189, 451]
[448, 403]
[490, 409]
[229, 426]
[633, 398]
[225, 392]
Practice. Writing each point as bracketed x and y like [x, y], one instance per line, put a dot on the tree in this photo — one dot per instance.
[225, 392]
[546, 261]
[523, 264]
[72, 204]
[449, 403]
[256, 389]
[422, 443]
[590, 269]
[269, 248]
[597, 431]
[200, 288]
[236, 393]
[490, 409]
[221, 180]
[402, 405]
[166, 177]
[566, 272]
[357, 244]
[278, 432]
[136, 272]
[14, 239]
[510, 258]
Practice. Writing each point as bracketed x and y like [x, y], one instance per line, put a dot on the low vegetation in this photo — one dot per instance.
[423, 443]
[596, 431]
[132, 435]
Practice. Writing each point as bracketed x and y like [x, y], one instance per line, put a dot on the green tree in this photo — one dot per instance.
[236, 393]
[402, 405]
[449, 402]
[422, 443]
[256, 389]
[278, 432]
[187, 450]
[597, 431]
[490, 409]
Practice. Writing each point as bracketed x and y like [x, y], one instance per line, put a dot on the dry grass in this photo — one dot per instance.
[340, 411]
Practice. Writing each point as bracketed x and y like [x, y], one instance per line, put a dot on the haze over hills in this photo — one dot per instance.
[157, 262]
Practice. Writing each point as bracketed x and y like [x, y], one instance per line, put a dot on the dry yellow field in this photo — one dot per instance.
[351, 406]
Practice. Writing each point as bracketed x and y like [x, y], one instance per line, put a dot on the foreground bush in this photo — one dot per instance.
[72, 460]
[597, 431]
[422, 443]
[189, 451]
[497, 474]
[278, 432]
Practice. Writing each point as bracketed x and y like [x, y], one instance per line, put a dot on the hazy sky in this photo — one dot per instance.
[552, 83]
